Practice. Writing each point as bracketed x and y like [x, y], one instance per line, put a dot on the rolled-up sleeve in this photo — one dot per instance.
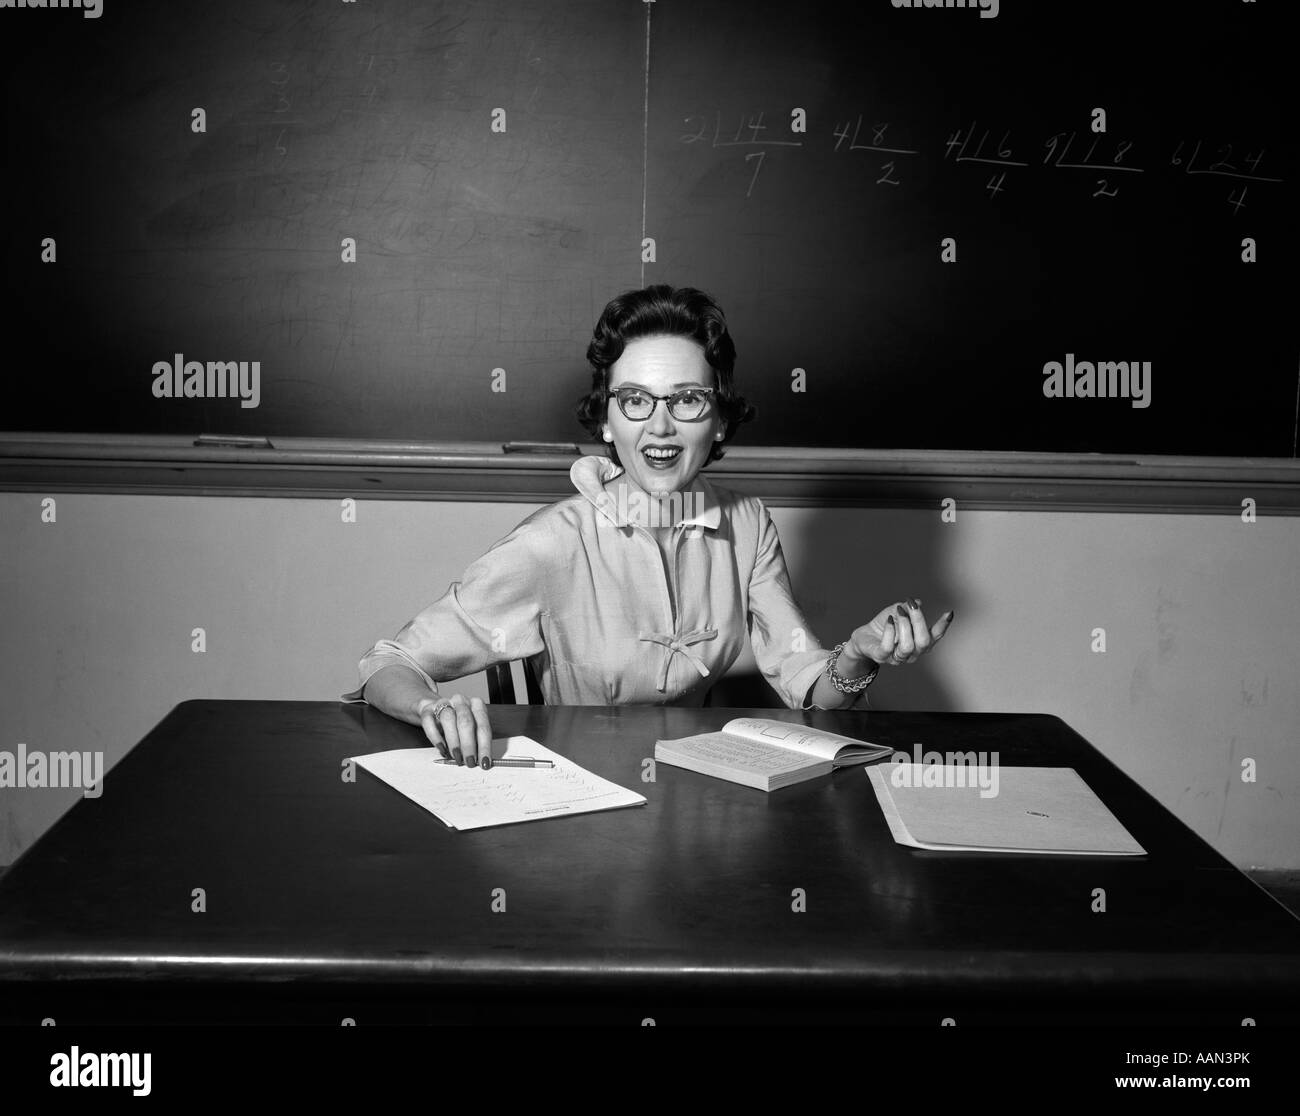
[785, 648]
[492, 614]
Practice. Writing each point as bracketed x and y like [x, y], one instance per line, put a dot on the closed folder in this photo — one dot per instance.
[1025, 810]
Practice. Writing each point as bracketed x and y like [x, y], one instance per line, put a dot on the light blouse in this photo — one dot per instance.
[585, 595]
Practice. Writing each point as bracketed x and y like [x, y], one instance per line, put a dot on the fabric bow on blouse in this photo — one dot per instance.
[681, 643]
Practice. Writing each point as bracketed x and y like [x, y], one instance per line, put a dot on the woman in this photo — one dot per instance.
[641, 588]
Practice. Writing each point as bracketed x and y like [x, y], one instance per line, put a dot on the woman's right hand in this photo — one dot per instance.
[460, 730]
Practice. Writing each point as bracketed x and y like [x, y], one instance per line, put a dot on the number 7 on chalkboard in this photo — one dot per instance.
[757, 167]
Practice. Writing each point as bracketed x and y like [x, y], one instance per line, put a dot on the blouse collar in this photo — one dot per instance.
[590, 474]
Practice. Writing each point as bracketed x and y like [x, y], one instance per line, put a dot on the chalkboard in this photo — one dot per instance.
[908, 214]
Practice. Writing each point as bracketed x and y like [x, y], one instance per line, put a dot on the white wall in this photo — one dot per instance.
[1202, 620]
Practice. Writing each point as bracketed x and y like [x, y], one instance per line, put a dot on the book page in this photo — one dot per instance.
[799, 738]
[471, 798]
[725, 751]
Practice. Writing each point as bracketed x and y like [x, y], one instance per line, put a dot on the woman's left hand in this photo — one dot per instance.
[897, 635]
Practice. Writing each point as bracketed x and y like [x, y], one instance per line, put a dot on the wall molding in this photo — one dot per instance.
[784, 476]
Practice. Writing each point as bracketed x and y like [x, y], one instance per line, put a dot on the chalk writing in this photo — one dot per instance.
[1109, 158]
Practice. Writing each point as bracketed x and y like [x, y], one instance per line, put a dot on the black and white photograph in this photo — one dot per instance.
[648, 527]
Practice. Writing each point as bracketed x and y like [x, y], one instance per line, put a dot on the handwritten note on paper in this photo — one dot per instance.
[471, 798]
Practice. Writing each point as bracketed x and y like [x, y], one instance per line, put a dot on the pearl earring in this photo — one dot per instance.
[608, 436]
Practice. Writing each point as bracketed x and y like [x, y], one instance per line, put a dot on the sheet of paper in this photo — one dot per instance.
[471, 798]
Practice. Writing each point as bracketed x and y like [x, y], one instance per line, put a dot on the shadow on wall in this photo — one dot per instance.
[841, 583]
[743, 691]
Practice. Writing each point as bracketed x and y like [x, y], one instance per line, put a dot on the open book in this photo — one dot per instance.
[767, 754]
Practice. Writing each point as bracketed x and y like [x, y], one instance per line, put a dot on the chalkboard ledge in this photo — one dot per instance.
[784, 476]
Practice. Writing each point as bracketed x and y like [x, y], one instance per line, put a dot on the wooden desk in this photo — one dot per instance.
[328, 898]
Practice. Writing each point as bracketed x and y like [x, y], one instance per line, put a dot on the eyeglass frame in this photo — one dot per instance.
[711, 392]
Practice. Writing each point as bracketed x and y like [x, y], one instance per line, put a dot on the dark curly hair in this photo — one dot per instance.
[659, 311]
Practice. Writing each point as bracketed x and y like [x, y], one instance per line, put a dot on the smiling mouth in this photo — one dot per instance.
[659, 457]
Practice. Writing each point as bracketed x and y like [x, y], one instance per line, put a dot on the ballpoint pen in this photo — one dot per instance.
[509, 762]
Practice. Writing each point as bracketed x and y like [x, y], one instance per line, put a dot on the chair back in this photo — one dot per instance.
[501, 684]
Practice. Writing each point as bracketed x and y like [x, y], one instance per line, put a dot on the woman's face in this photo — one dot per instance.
[661, 366]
